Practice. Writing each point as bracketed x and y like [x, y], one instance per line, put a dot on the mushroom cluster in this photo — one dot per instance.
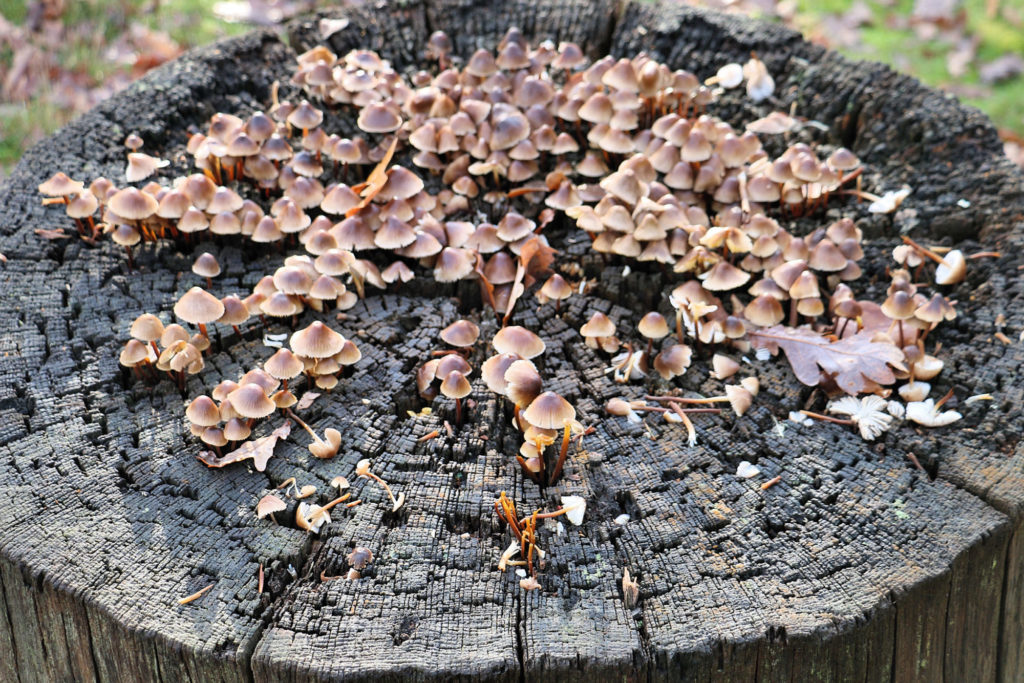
[456, 174]
[226, 417]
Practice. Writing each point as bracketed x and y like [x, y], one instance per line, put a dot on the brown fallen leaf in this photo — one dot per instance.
[259, 450]
[535, 258]
[306, 400]
[853, 363]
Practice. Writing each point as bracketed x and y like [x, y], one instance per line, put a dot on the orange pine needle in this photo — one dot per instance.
[195, 596]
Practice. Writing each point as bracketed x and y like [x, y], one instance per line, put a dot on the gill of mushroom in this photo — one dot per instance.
[363, 470]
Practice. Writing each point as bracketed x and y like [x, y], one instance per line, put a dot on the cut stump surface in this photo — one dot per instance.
[855, 566]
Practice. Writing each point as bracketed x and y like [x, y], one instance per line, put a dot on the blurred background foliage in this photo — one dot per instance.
[59, 57]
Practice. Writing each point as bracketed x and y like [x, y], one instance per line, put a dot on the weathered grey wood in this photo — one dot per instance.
[856, 566]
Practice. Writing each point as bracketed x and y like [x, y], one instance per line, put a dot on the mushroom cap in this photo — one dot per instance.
[934, 310]
[653, 326]
[522, 382]
[237, 430]
[305, 116]
[284, 365]
[493, 371]
[206, 265]
[133, 204]
[60, 185]
[549, 411]
[518, 340]
[952, 270]
[360, 557]
[268, 505]
[349, 354]
[455, 385]
[764, 311]
[198, 307]
[250, 400]
[724, 276]
[451, 362]
[317, 341]
[147, 327]
[461, 333]
[379, 118]
[82, 206]
[899, 305]
[135, 352]
[724, 367]
[261, 379]
[673, 361]
[556, 288]
[599, 325]
[203, 411]
[739, 398]
[401, 184]
[453, 264]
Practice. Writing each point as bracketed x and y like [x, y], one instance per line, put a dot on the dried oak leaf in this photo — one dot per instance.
[306, 400]
[535, 258]
[260, 450]
[853, 363]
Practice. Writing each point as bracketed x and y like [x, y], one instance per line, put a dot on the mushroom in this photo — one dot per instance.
[268, 505]
[599, 331]
[199, 307]
[551, 411]
[461, 333]
[363, 470]
[653, 326]
[206, 266]
[556, 288]
[673, 361]
[518, 340]
[455, 385]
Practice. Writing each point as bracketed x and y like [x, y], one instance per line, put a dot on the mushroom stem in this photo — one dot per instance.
[924, 251]
[302, 424]
[826, 418]
[561, 455]
[458, 412]
[334, 502]
[202, 330]
[547, 515]
[522, 464]
[692, 401]
[650, 347]
[942, 401]
[131, 262]
[679, 324]
[691, 431]
[519, 423]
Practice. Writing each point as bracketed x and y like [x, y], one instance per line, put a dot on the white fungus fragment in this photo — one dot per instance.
[575, 507]
[746, 470]
[868, 413]
[927, 413]
[622, 519]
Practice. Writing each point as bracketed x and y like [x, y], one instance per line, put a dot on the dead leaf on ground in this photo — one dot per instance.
[306, 400]
[852, 363]
[259, 450]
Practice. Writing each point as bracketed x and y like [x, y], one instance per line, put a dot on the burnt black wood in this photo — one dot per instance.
[856, 566]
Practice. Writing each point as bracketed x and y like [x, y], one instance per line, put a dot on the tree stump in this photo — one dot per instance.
[856, 565]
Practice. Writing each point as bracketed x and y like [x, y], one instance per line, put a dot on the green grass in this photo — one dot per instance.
[926, 59]
[91, 27]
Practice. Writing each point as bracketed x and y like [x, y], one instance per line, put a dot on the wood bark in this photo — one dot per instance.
[856, 566]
